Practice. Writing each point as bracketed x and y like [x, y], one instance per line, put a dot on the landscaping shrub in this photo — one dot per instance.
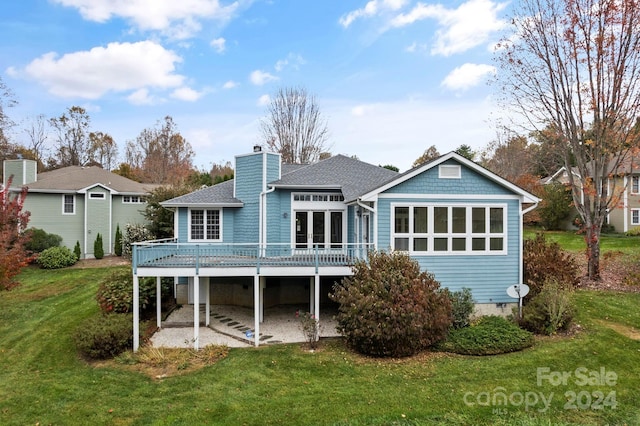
[117, 245]
[545, 260]
[77, 251]
[550, 311]
[491, 335]
[555, 206]
[56, 258]
[98, 249]
[391, 308]
[105, 336]
[134, 233]
[115, 292]
[462, 307]
[39, 240]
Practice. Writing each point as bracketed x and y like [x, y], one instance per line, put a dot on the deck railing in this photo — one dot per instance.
[169, 253]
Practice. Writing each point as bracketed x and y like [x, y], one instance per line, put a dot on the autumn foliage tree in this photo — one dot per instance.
[12, 240]
[574, 66]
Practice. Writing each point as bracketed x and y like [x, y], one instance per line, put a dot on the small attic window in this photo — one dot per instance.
[449, 172]
[96, 196]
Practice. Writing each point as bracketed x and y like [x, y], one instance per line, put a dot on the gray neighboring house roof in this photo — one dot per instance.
[76, 178]
[353, 177]
[220, 195]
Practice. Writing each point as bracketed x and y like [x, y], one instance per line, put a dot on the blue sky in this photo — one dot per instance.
[392, 77]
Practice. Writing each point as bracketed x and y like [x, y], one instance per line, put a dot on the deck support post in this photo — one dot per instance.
[207, 309]
[312, 295]
[196, 311]
[158, 303]
[316, 296]
[263, 285]
[136, 313]
[256, 310]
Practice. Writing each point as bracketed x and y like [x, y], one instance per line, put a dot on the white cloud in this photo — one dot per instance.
[186, 94]
[179, 19]
[467, 76]
[259, 77]
[141, 97]
[264, 100]
[372, 8]
[468, 26]
[218, 44]
[362, 110]
[416, 47]
[117, 67]
[292, 60]
[230, 85]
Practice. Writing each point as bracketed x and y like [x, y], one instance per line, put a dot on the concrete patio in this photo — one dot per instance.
[233, 326]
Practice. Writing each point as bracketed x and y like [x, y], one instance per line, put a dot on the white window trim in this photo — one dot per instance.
[131, 197]
[638, 221]
[73, 197]
[430, 235]
[219, 240]
[635, 181]
[97, 196]
[444, 171]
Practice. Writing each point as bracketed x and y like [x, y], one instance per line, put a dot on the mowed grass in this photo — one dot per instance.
[574, 242]
[43, 381]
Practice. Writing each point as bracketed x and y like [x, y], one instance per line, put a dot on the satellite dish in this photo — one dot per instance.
[518, 291]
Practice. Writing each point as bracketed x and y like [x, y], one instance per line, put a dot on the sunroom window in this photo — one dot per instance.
[453, 229]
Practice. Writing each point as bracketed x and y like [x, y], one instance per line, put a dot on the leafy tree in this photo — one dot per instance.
[117, 245]
[391, 167]
[98, 248]
[7, 100]
[509, 156]
[103, 150]
[555, 206]
[294, 126]
[72, 137]
[465, 151]
[575, 68]
[12, 240]
[161, 219]
[429, 154]
[389, 307]
[160, 154]
[221, 172]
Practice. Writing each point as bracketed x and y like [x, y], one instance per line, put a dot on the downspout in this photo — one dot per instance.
[375, 221]
[521, 260]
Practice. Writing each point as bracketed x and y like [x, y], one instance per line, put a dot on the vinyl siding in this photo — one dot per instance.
[46, 213]
[487, 275]
[98, 212]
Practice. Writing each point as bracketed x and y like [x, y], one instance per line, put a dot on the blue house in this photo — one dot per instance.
[283, 234]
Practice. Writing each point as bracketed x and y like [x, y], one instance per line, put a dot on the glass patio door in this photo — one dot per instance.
[317, 228]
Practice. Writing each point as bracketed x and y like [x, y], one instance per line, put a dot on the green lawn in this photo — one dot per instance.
[572, 241]
[42, 380]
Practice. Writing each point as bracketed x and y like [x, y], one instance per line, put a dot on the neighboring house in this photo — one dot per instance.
[77, 202]
[623, 183]
[280, 234]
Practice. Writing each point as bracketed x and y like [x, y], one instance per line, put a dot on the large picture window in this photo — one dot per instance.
[204, 225]
[453, 229]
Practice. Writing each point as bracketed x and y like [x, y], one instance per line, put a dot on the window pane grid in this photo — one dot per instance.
[449, 229]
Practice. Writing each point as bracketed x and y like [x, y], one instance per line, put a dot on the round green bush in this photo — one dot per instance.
[390, 308]
[549, 311]
[115, 292]
[40, 240]
[105, 336]
[491, 335]
[56, 258]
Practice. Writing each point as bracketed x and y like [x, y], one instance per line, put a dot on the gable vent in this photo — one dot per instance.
[449, 172]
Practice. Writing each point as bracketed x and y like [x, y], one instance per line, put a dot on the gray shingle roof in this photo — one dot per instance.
[353, 177]
[220, 195]
[75, 178]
